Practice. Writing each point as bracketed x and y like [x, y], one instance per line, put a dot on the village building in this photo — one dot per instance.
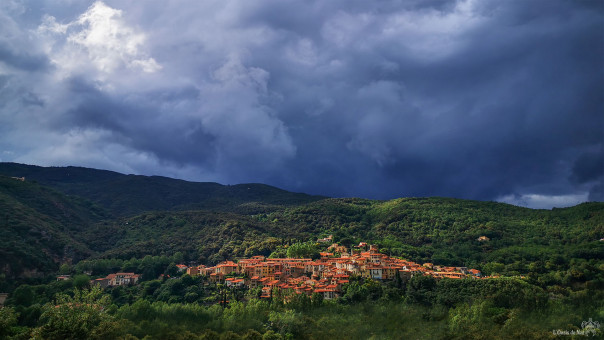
[3, 297]
[102, 282]
[234, 282]
[336, 248]
[327, 239]
[194, 270]
[117, 279]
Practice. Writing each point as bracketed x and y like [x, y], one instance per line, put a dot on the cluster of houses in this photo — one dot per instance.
[307, 276]
[325, 275]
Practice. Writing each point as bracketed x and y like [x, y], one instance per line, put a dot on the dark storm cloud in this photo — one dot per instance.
[483, 100]
[24, 62]
[138, 125]
[589, 169]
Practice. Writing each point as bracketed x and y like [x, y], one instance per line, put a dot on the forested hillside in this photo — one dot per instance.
[39, 227]
[438, 230]
[127, 195]
[62, 221]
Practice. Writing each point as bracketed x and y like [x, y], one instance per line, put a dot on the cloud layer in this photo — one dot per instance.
[484, 100]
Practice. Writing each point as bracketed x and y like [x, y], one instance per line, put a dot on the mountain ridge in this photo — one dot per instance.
[129, 195]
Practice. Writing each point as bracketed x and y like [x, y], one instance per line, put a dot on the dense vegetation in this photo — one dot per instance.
[38, 227]
[551, 262]
[443, 231]
[127, 195]
[190, 308]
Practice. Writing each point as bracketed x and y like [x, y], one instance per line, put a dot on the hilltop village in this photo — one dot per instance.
[325, 275]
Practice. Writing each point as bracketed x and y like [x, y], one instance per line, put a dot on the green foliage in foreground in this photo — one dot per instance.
[82, 316]
[449, 309]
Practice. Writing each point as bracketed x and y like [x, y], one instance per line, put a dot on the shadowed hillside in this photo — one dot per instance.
[127, 195]
[38, 227]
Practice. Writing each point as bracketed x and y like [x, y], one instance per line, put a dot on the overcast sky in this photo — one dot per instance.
[488, 100]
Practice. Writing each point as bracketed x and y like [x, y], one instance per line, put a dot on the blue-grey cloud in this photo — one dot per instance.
[484, 100]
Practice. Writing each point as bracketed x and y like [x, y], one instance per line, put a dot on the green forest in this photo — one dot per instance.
[549, 264]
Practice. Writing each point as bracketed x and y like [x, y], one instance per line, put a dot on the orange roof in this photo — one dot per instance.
[324, 290]
[227, 265]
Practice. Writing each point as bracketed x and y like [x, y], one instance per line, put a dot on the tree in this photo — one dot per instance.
[81, 281]
[252, 334]
[316, 299]
[65, 269]
[271, 335]
[288, 323]
[172, 270]
[209, 335]
[421, 289]
[229, 335]
[280, 252]
[302, 250]
[8, 320]
[178, 257]
[24, 295]
[82, 316]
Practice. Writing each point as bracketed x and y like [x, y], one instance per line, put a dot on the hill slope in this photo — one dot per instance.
[38, 227]
[128, 195]
[439, 230]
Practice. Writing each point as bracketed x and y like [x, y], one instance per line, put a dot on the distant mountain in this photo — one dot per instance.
[129, 195]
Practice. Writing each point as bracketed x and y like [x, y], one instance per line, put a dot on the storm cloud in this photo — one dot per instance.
[485, 100]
